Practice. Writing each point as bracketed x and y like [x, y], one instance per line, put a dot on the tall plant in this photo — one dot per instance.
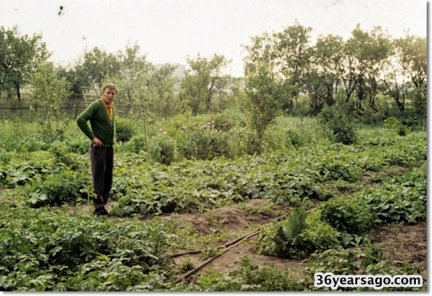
[49, 92]
[263, 103]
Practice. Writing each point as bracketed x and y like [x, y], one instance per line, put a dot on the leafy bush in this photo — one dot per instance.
[206, 145]
[57, 189]
[348, 215]
[137, 144]
[164, 150]
[298, 236]
[335, 119]
[125, 130]
[391, 123]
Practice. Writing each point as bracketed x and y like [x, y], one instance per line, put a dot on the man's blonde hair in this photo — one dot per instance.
[111, 86]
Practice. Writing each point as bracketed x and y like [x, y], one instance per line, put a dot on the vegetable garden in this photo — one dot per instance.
[312, 205]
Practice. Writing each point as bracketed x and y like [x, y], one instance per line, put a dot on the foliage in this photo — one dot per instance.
[204, 83]
[50, 92]
[248, 278]
[392, 123]
[335, 119]
[19, 57]
[263, 100]
[403, 200]
[164, 150]
[49, 250]
[57, 189]
[49, 240]
[125, 130]
[348, 215]
[298, 236]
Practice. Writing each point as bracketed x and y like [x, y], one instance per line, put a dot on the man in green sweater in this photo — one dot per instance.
[100, 113]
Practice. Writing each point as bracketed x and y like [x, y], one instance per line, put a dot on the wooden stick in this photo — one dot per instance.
[238, 241]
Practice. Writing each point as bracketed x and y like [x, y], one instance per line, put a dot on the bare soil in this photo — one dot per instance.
[407, 243]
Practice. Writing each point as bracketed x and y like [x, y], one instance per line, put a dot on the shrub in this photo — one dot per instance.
[164, 150]
[137, 144]
[298, 236]
[56, 189]
[335, 119]
[348, 215]
[392, 123]
[125, 130]
[205, 145]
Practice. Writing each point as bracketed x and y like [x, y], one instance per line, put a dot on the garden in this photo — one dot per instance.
[197, 192]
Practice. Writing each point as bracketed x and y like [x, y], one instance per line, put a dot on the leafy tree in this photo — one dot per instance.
[95, 66]
[412, 55]
[162, 84]
[370, 51]
[133, 79]
[262, 90]
[260, 51]
[50, 92]
[293, 54]
[204, 81]
[76, 82]
[287, 55]
[322, 81]
[19, 58]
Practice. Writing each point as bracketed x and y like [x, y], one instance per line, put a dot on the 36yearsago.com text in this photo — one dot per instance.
[377, 282]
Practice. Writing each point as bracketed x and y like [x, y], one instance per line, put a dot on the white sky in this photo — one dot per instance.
[170, 30]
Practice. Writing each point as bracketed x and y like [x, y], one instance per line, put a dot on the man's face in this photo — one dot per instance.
[109, 95]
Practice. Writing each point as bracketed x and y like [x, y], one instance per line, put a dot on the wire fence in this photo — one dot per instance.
[28, 111]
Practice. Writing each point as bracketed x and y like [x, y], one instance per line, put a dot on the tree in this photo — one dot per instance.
[162, 84]
[204, 81]
[322, 81]
[95, 66]
[286, 55]
[49, 91]
[293, 54]
[262, 91]
[133, 79]
[370, 52]
[19, 58]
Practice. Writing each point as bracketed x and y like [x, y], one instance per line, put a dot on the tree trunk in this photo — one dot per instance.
[18, 92]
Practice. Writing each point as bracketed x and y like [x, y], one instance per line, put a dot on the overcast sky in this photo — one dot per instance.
[168, 31]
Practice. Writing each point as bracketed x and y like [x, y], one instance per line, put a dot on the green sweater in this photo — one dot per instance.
[101, 125]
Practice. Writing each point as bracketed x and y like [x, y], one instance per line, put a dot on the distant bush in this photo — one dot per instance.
[347, 215]
[205, 144]
[163, 150]
[125, 130]
[335, 119]
[393, 123]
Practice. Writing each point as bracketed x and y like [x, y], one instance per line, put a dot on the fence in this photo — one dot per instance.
[29, 111]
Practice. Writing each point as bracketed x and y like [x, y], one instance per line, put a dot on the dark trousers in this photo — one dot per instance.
[102, 165]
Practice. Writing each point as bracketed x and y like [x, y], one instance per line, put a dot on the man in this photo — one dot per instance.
[100, 113]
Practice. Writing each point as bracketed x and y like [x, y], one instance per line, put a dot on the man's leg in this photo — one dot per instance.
[97, 156]
[108, 178]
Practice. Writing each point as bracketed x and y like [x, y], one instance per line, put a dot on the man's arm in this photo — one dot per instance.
[82, 120]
